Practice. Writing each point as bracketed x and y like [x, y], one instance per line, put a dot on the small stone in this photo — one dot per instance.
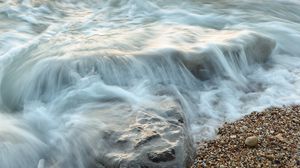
[270, 157]
[251, 141]
[243, 128]
[279, 137]
[233, 136]
[276, 162]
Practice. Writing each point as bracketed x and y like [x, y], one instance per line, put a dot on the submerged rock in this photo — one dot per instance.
[162, 156]
[151, 141]
[235, 48]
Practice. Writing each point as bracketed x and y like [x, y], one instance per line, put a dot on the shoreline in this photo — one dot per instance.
[277, 131]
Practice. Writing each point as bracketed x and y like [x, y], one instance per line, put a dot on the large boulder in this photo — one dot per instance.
[157, 139]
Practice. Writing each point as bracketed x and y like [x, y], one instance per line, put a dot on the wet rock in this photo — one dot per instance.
[148, 137]
[251, 141]
[181, 120]
[150, 140]
[164, 156]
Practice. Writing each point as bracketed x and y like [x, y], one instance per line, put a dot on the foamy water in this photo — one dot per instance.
[100, 83]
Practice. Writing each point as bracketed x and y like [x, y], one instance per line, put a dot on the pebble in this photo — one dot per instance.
[251, 141]
[279, 137]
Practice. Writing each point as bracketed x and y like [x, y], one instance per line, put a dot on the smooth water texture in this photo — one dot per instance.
[72, 70]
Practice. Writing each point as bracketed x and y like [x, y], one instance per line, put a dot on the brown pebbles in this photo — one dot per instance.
[276, 132]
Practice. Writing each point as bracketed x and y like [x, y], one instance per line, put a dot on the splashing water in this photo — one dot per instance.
[100, 83]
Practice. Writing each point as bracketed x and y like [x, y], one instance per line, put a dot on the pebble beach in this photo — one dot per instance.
[270, 138]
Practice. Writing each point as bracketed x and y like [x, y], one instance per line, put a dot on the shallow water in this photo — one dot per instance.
[72, 72]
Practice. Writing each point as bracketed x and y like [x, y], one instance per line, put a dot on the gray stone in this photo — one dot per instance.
[163, 156]
[251, 141]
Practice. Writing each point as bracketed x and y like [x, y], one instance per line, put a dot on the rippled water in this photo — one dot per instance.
[81, 79]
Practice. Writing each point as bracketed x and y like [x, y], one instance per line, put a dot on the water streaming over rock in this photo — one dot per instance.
[131, 83]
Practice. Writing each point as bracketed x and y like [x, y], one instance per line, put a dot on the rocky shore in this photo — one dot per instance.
[266, 139]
